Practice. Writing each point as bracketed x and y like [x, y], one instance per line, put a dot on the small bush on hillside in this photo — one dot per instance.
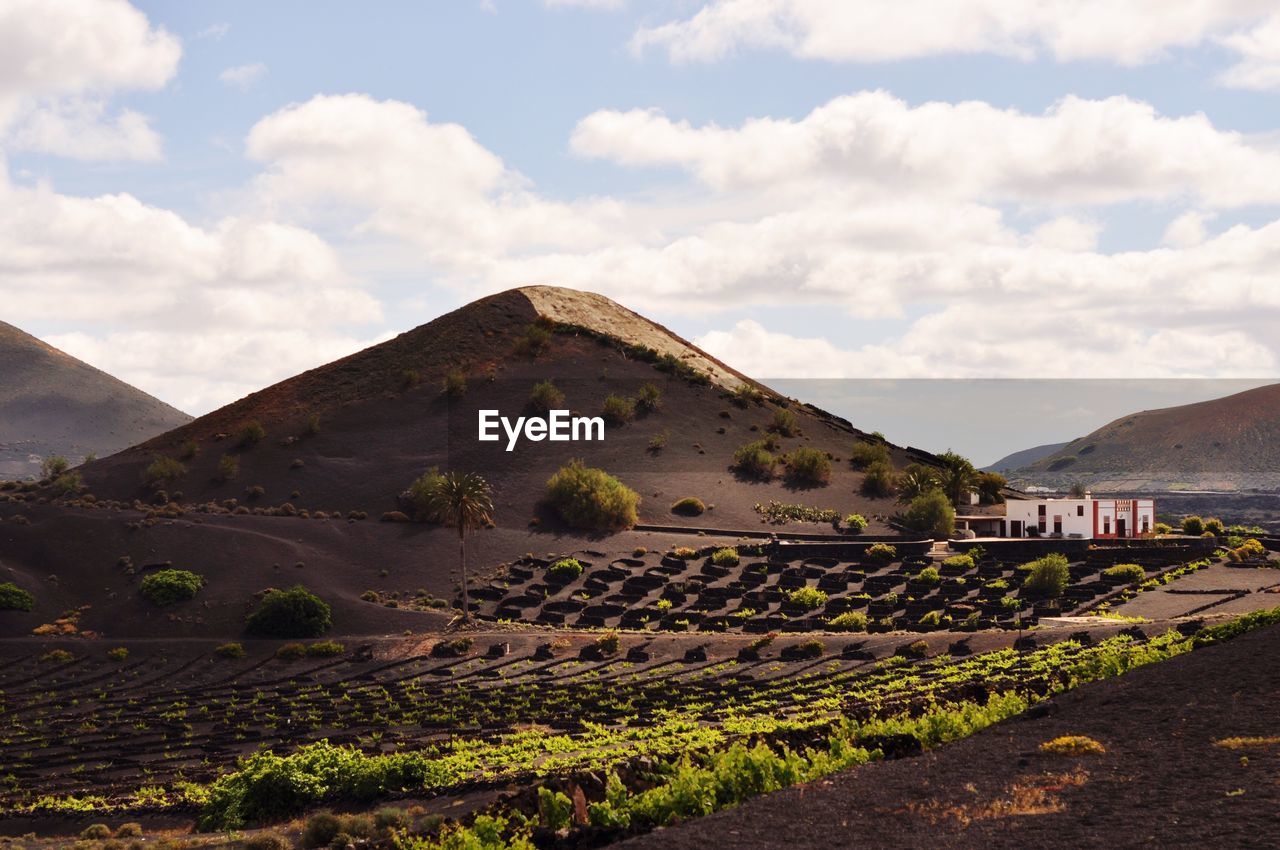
[1214, 526]
[14, 598]
[746, 395]
[964, 562]
[119, 653]
[1047, 577]
[808, 649]
[268, 841]
[454, 384]
[864, 454]
[1193, 525]
[684, 553]
[784, 424]
[608, 643]
[293, 613]
[67, 484]
[808, 598]
[658, 442]
[882, 552]
[228, 468]
[325, 649]
[592, 499]
[291, 652]
[421, 495]
[1128, 573]
[855, 523]
[877, 482]
[189, 450]
[1072, 745]
[51, 467]
[564, 570]
[1163, 528]
[688, 506]
[931, 514]
[545, 396]
[162, 470]
[230, 650]
[1250, 550]
[618, 410]
[929, 575]
[56, 656]
[167, 587]
[808, 467]
[252, 433]
[849, 621]
[533, 341]
[726, 557]
[648, 399]
[754, 460]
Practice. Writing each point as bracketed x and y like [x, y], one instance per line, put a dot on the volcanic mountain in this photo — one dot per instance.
[1230, 443]
[53, 404]
[287, 485]
[1024, 458]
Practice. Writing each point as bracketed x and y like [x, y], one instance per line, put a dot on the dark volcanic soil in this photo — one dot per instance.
[1162, 782]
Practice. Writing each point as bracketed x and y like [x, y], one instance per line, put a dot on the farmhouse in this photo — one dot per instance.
[1088, 518]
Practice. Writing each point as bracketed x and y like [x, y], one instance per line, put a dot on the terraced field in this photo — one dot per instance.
[697, 591]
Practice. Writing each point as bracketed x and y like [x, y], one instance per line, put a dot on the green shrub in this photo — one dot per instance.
[932, 514]
[808, 466]
[545, 396]
[726, 557]
[916, 649]
[56, 656]
[52, 467]
[291, 652]
[325, 649]
[422, 496]
[118, 653]
[754, 460]
[648, 399]
[268, 841]
[929, 575]
[14, 598]
[1129, 573]
[534, 341]
[855, 523]
[162, 470]
[230, 650]
[618, 410]
[608, 643]
[745, 395]
[96, 832]
[592, 499]
[688, 506]
[190, 448]
[849, 621]
[1163, 528]
[1214, 526]
[808, 598]
[252, 433]
[783, 424]
[863, 455]
[565, 570]
[878, 480]
[132, 829]
[684, 553]
[964, 562]
[293, 613]
[167, 587]
[884, 552]
[1193, 525]
[454, 384]
[809, 649]
[1047, 577]
[66, 484]
[228, 468]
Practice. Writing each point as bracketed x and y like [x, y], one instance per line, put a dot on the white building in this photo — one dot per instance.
[1088, 518]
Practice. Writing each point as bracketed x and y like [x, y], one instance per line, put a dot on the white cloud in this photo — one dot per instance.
[1128, 32]
[431, 184]
[59, 62]
[214, 32]
[1259, 63]
[243, 76]
[1077, 151]
[1187, 230]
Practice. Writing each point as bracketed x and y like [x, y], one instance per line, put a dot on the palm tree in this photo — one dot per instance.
[916, 480]
[957, 475]
[464, 501]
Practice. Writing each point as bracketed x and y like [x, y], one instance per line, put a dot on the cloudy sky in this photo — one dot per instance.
[203, 198]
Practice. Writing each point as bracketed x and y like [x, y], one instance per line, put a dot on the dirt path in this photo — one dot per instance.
[1161, 783]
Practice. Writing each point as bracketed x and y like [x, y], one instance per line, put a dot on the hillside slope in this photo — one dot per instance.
[1024, 458]
[341, 443]
[1230, 443]
[53, 404]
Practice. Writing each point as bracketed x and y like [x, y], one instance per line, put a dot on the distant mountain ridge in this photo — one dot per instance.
[53, 404]
[1225, 444]
[1026, 457]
